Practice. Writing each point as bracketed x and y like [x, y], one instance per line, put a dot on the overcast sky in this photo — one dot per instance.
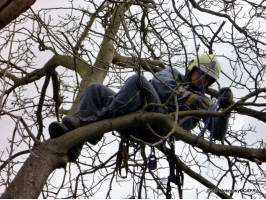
[7, 124]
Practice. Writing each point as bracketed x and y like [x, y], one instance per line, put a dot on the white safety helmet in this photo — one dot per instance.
[209, 64]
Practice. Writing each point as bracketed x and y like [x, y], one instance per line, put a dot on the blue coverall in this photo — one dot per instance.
[132, 96]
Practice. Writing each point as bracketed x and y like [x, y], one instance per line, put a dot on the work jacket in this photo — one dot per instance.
[175, 80]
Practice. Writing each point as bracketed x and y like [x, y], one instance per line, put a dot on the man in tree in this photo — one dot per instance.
[99, 102]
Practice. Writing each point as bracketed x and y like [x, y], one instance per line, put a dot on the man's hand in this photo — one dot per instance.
[195, 101]
[226, 96]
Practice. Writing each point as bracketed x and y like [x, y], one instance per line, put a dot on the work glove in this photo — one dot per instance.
[226, 96]
[195, 101]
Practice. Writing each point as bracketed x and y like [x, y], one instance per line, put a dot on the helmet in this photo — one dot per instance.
[208, 63]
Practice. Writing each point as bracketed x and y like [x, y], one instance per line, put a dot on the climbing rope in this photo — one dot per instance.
[195, 44]
[201, 134]
[214, 108]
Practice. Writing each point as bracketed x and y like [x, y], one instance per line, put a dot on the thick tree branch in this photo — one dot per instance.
[11, 9]
[140, 118]
[98, 72]
[128, 62]
[55, 61]
[35, 75]
[53, 150]
[88, 27]
[52, 153]
[241, 109]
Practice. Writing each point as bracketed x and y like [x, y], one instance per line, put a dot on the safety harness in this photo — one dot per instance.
[176, 175]
[122, 157]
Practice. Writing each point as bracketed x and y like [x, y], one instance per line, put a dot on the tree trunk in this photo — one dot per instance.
[31, 178]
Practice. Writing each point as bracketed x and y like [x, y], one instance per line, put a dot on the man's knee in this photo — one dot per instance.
[99, 89]
[94, 87]
[138, 80]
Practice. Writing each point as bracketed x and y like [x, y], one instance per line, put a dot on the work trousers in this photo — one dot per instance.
[136, 91]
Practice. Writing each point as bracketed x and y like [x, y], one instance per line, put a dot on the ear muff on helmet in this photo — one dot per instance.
[209, 64]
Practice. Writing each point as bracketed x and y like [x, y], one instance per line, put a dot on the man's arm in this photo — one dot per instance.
[170, 77]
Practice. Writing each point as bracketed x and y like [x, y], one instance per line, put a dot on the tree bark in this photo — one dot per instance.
[11, 9]
[51, 154]
[98, 72]
[32, 176]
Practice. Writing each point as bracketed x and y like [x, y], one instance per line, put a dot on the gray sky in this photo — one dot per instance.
[7, 124]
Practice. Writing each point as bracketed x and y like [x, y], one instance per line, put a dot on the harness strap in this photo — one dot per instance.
[176, 175]
[122, 158]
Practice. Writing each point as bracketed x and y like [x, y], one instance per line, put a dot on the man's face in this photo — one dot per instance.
[196, 78]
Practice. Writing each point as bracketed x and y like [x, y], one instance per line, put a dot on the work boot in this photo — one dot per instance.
[78, 121]
[56, 130]
[73, 122]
